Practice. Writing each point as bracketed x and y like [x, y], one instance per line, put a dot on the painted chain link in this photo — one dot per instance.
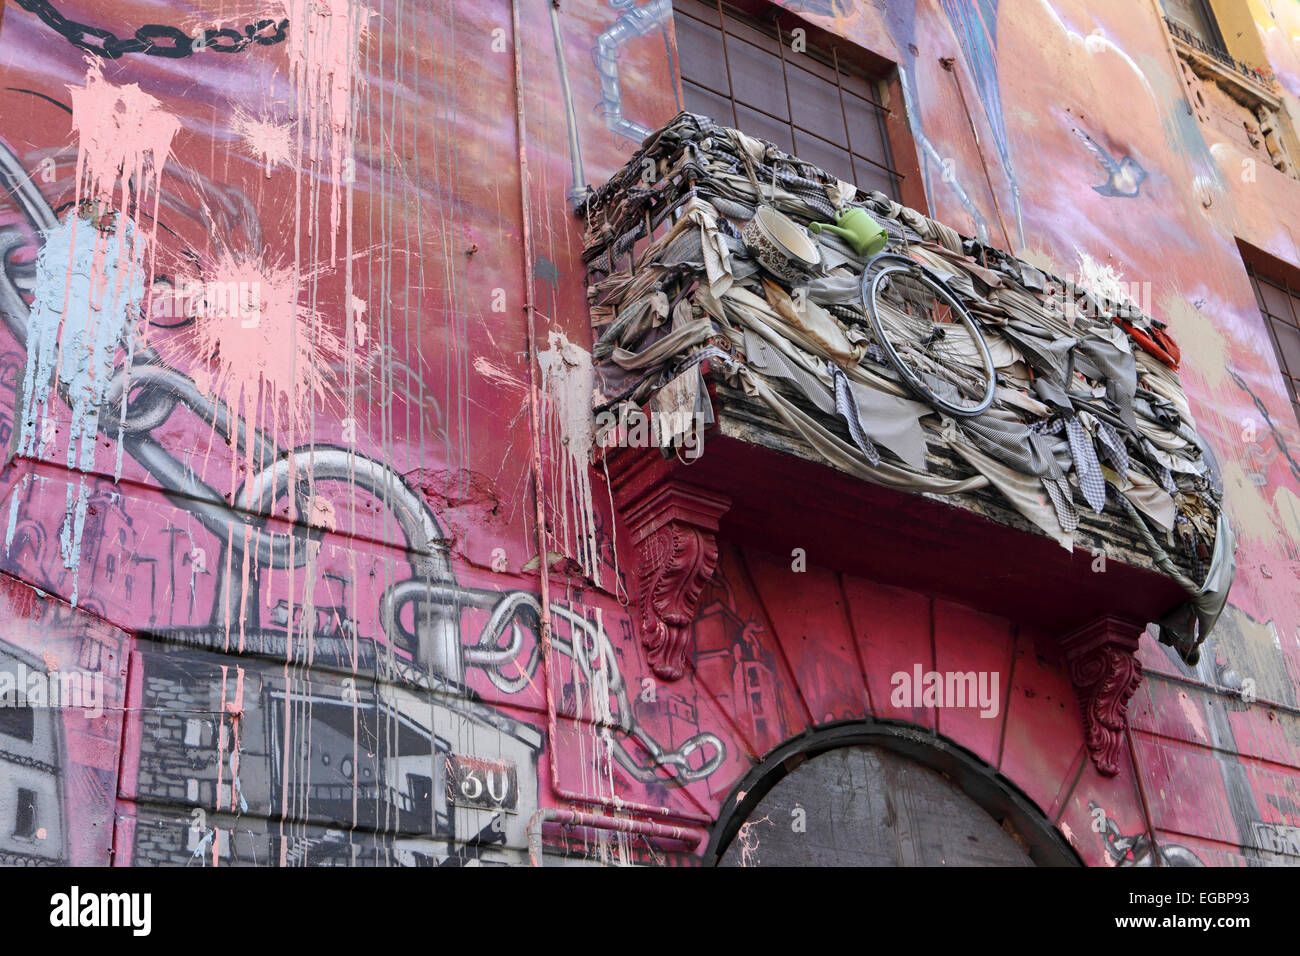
[151, 391]
[156, 39]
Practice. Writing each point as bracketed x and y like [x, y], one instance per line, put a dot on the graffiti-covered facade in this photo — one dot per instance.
[311, 557]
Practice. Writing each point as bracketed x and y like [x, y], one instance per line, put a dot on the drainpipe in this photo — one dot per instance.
[687, 835]
[535, 426]
[949, 64]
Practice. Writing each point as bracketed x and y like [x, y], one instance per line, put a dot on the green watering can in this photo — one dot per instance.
[854, 226]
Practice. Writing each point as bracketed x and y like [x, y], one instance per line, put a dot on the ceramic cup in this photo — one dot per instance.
[781, 245]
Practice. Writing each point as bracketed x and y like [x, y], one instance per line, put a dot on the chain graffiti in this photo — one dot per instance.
[156, 39]
[421, 616]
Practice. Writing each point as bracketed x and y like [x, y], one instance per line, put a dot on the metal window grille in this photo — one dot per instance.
[812, 103]
[1279, 303]
[1196, 18]
[1194, 22]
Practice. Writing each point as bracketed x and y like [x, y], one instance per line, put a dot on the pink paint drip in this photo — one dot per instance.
[748, 840]
[124, 136]
[267, 355]
[235, 708]
[124, 140]
[324, 56]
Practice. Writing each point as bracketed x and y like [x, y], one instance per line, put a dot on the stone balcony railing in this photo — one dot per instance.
[773, 414]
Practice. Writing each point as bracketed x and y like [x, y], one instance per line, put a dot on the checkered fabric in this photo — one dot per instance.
[1112, 446]
[1086, 467]
[1058, 489]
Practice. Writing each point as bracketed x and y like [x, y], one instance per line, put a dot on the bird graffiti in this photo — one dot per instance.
[1124, 176]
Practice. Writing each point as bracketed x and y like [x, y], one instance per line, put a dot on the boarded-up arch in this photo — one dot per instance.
[882, 795]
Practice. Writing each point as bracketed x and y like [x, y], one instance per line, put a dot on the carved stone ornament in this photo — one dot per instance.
[1105, 672]
[674, 529]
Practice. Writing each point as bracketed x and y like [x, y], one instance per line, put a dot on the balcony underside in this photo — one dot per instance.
[972, 548]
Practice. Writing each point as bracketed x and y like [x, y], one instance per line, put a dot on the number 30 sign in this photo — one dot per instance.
[483, 784]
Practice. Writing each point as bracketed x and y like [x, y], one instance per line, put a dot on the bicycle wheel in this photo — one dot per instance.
[928, 335]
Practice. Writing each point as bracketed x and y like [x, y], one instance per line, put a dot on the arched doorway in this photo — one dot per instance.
[882, 795]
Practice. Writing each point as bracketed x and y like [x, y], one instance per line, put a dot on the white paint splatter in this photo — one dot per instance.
[1103, 280]
[264, 139]
[568, 383]
[497, 374]
[1098, 44]
[1192, 714]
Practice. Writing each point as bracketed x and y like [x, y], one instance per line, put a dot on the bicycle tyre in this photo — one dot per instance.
[914, 379]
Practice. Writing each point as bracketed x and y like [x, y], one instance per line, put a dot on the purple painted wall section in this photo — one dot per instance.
[264, 390]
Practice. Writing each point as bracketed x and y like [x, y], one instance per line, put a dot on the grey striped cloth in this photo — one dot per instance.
[847, 407]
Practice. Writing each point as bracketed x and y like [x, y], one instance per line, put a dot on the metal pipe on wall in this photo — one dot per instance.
[950, 64]
[578, 192]
[535, 426]
[594, 821]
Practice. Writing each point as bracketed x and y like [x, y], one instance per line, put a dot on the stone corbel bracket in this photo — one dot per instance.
[673, 526]
[1105, 672]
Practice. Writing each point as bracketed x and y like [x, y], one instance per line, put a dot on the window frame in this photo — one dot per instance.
[1215, 42]
[25, 811]
[1219, 63]
[1262, 269]
[1216, 50]
[843, 59]
[18, 723]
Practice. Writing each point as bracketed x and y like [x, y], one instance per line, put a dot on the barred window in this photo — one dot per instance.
[1196, 18]
[1279, 303]
[817, 103]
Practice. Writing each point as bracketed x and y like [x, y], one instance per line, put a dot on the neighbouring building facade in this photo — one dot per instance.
[311, 312]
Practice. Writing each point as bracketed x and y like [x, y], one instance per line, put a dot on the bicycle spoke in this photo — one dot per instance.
[932, 341]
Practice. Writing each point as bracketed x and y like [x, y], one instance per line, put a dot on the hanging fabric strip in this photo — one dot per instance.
[847, 409]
